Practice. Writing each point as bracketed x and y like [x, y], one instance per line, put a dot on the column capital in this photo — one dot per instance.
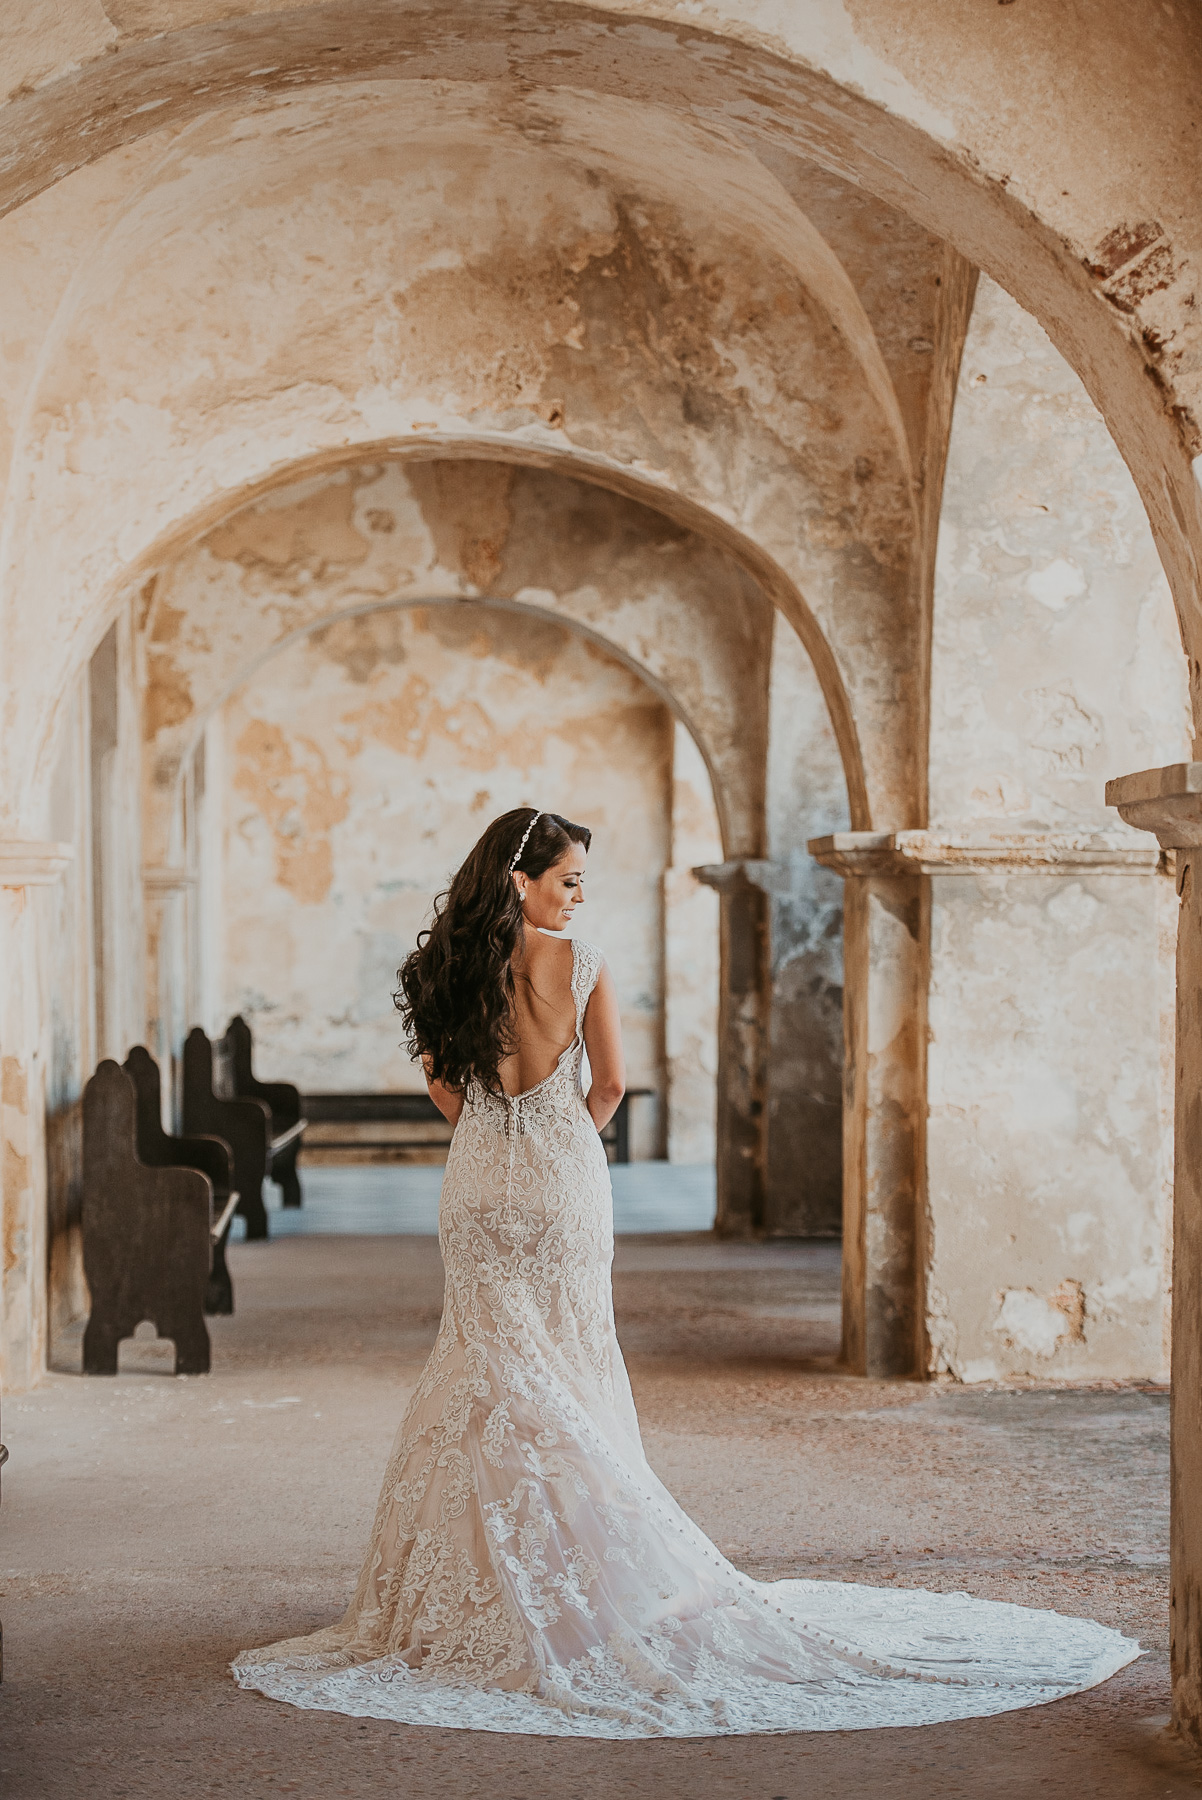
[1072, 853]
[1165, 801]
[29, 862]
[743, 871]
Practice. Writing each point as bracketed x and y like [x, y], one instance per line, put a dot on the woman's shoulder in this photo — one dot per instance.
[588, 961]
[583, 960]
[575, 947]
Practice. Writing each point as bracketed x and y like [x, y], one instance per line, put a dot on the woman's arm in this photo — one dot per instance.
[448, 1102]
[603, 1041]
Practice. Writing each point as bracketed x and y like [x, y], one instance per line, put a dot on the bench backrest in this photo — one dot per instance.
[238, 1076]
[210, 1154]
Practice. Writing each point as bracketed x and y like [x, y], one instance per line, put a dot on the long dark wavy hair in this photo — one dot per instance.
[456, 988]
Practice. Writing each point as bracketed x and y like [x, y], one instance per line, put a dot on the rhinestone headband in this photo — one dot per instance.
[517, 859]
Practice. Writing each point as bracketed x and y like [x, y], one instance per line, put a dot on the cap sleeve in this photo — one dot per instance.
[586, 968]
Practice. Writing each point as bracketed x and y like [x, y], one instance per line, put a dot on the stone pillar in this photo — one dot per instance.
[885, 953]
[24, 867]
[943, 1216]
[744, 1009]
[1168, 802]
[170, 982]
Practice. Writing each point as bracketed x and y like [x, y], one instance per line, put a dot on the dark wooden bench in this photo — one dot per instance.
[147, 1235]
[245, 1125]
[371, 1114]
[211, 1155]
[235, 1077]
[616, 1136]
[340, 1110]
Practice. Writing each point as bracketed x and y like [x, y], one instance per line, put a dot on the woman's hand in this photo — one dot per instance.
[603, 1041]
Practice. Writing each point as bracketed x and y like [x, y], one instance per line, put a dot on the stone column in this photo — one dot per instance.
[946, 935]
[744, 1008]
[167, 900]
[1168, 802]
[885, 954]
[24, 867]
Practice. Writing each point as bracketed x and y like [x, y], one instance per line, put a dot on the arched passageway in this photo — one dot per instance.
[326, 567]
[718, 275]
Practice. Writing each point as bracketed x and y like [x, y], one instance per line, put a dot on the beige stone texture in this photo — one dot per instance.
[682, 613]
[796, 398]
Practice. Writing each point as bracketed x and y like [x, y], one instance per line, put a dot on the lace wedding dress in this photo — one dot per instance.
[527, 1572]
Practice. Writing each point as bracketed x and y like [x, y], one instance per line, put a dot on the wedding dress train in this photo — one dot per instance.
[527, 1572]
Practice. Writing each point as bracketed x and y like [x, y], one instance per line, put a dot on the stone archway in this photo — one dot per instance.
[682, 614]
[335, 789]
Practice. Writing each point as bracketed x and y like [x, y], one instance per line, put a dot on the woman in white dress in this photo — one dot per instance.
[527, 1571]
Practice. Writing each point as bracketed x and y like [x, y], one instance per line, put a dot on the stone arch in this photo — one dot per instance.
[677, 705]
[672, 605]
[334, 788]
[917, 117]
[680, 612]
[849, 458]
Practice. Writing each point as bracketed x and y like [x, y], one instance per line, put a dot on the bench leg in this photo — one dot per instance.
[254, 1212]
[219, 1292]
[193, 1353]
[100, 1339]
[288, 1179]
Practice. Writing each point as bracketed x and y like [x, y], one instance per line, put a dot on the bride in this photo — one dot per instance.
[527, 1572]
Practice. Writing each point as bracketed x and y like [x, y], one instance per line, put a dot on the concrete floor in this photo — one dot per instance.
[152, 1527]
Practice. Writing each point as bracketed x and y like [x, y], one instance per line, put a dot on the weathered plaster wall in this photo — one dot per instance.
[362, 762]
[958, 115]
[1048, 1160]
[1056, 663]
[1056, 659]
[472, 287]
[675, 608]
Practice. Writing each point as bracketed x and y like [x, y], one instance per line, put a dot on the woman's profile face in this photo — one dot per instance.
[549, 902]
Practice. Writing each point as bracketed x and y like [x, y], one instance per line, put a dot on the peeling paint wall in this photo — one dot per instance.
[360, 766]
[660, 597]
[476, 285]
[1056, 663]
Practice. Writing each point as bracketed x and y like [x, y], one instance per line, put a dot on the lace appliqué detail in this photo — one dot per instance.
[527, 1571]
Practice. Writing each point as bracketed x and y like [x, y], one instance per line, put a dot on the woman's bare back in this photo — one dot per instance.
[544, 1011]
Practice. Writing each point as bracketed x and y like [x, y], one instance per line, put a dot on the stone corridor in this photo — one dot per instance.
[771, 435]
[153, 1526]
